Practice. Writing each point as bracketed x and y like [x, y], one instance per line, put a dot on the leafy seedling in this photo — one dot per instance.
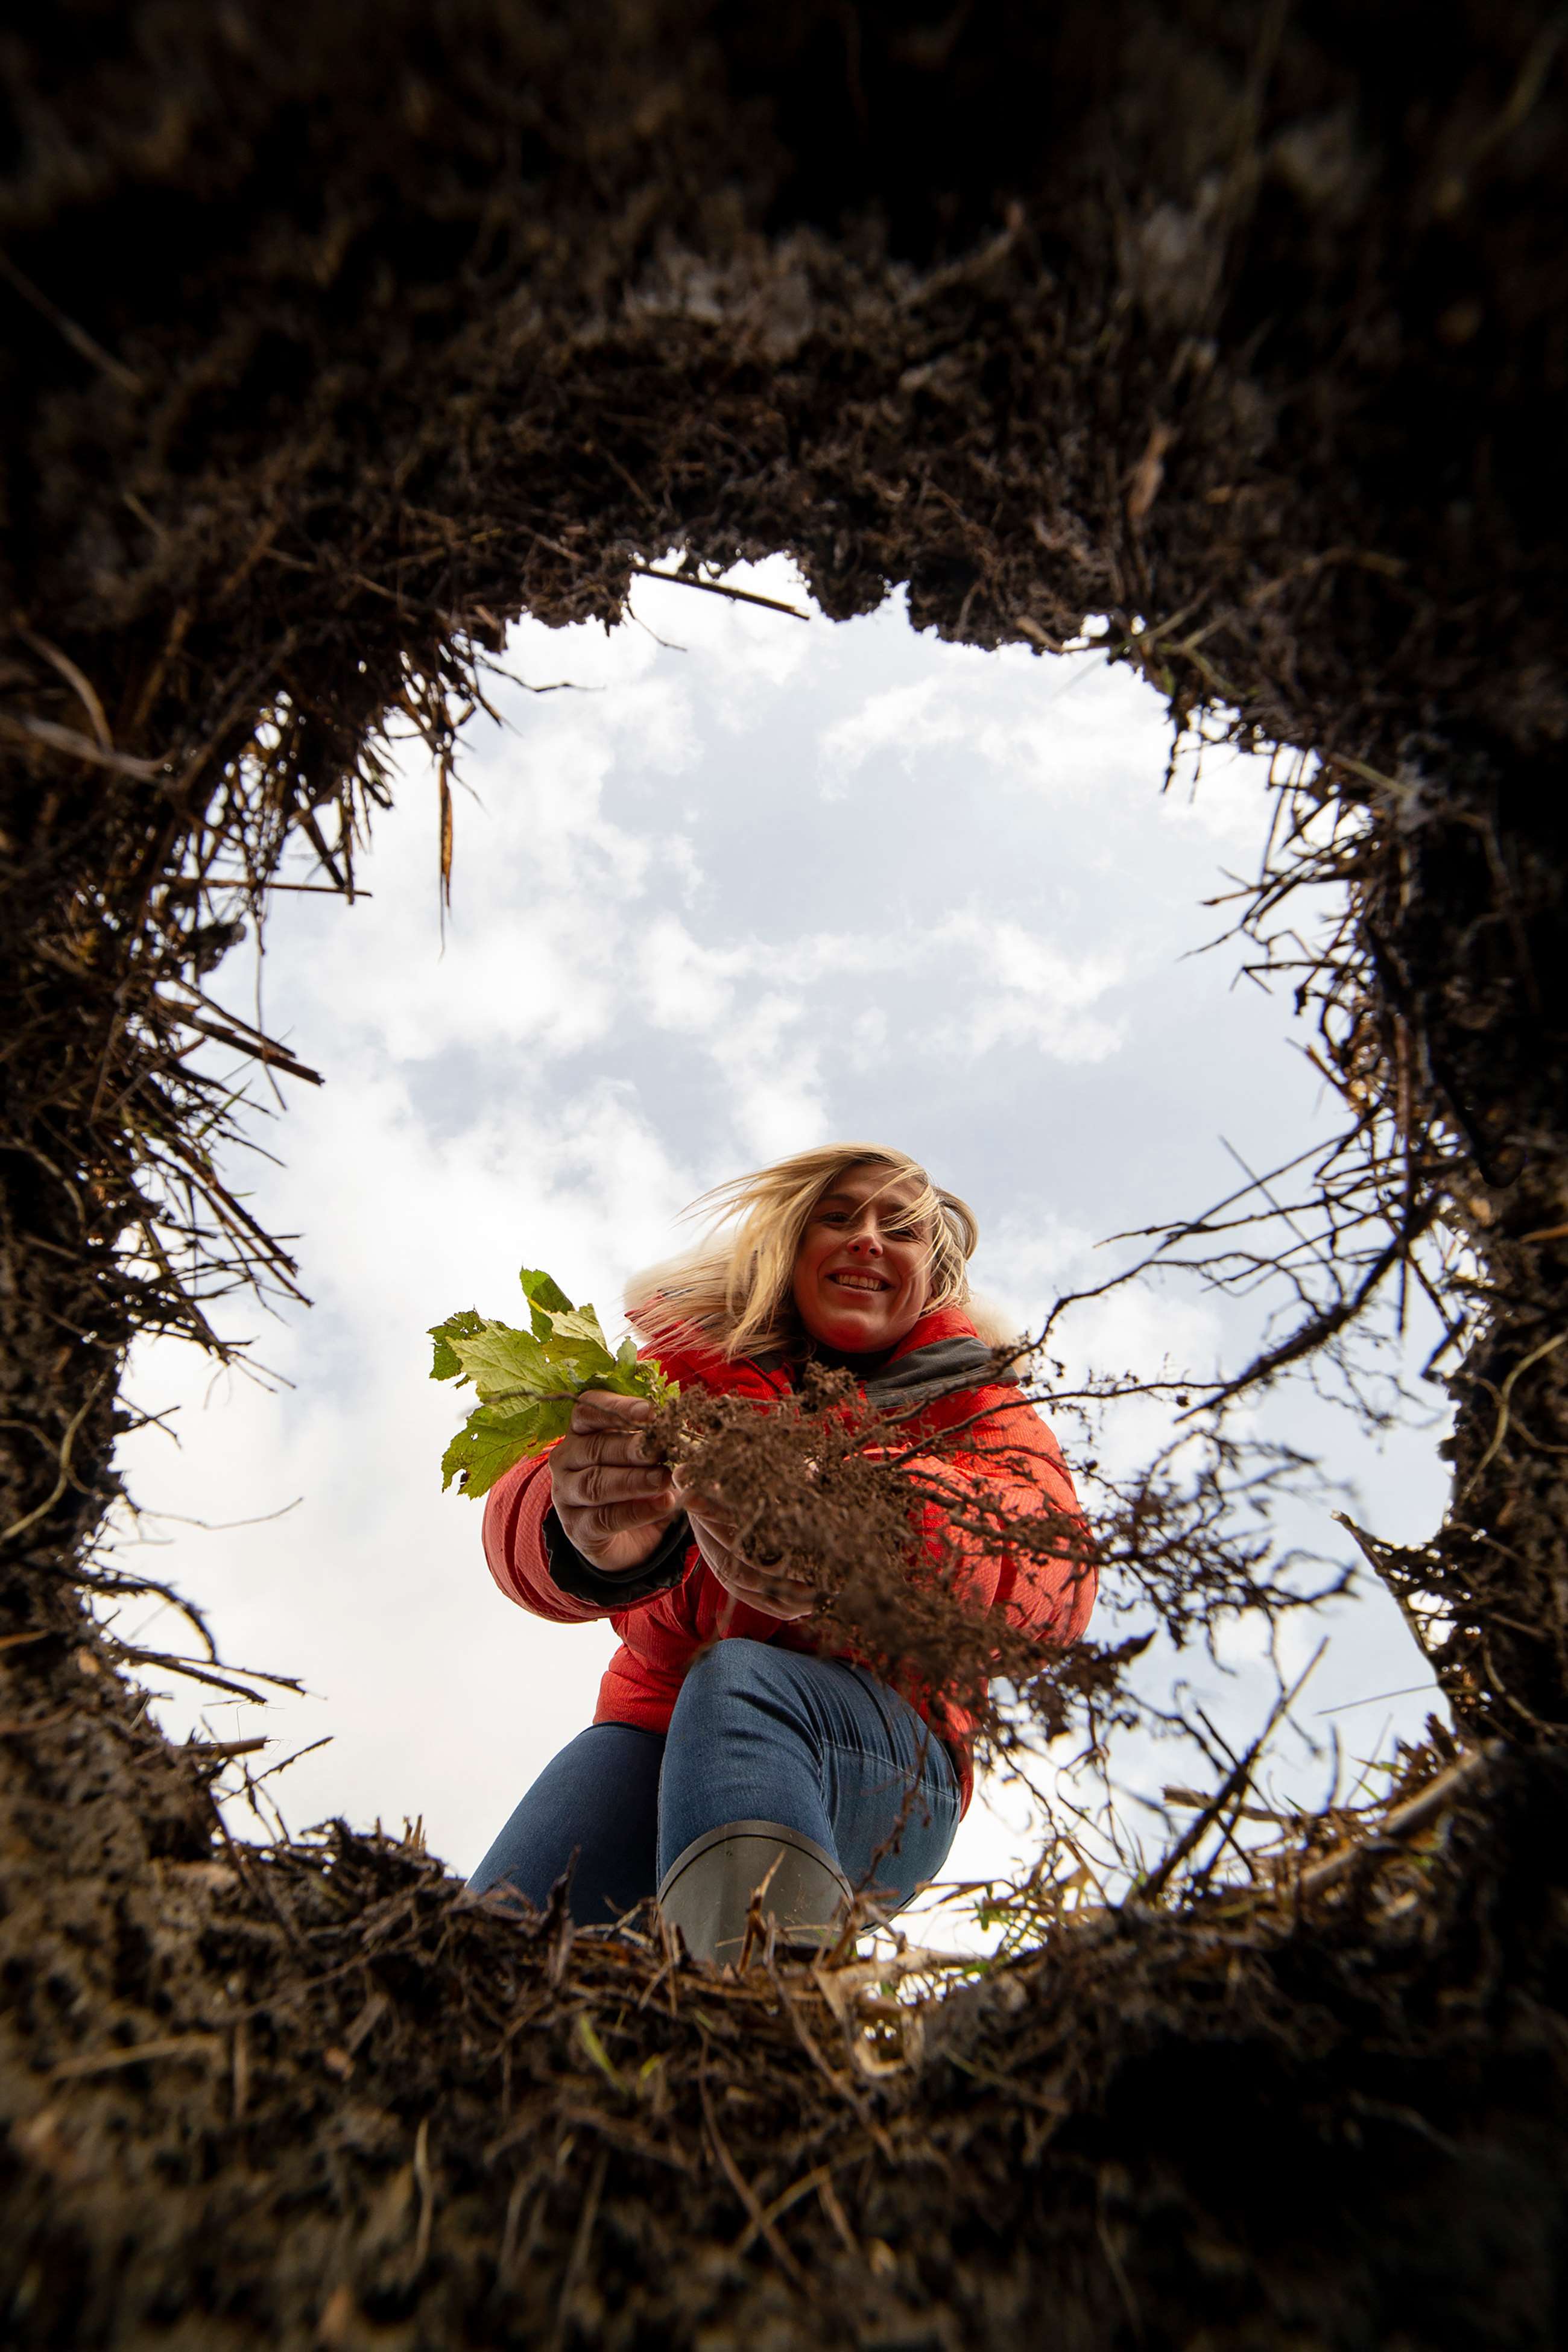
[528, 1382]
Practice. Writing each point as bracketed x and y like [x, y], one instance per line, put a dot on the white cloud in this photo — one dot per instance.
[1029, 991]
[775, 1079]
[868, 1036]
[686, 984]
[902, 719]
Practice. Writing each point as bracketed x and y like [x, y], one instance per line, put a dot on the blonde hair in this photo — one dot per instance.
[732, 1292]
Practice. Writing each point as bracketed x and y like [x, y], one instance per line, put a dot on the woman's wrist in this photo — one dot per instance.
[574, 1571]
[608, 1552]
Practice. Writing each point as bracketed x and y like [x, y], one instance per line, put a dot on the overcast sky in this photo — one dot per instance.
[766, 884]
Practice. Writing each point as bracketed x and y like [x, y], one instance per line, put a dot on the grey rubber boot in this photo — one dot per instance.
[707, 1889]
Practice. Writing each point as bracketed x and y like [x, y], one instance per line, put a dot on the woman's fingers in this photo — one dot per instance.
[703, 1513]
[604, 1475]
[785, 1597]
[598, 1482]
[715, 1534]
[600, 1410]
[589, 1523]
[589, 1527]
[609, 1429]
[623, 1450]
[777, 1594]
[610, 1491]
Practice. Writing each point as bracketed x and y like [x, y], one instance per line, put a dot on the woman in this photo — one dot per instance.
[726, 1751]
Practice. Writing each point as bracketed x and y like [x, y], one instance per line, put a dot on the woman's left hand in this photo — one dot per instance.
[773, 1590]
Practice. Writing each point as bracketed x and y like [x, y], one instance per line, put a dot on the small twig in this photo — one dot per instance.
[260, 1050]
[134, 1657]
[213, 1526]
[79, 682]
[755, 1929]
[80, 342]
[747, 2195]
[819, 2178]
[1146, 1889]
[514, 2204]
[717, 588]
[1373, 1698]
[1321, 1328]
[1410, 1816]
[577, 2260]
[325, 1741]
[240, 2070]
[1524, 1364]
[426, 2186]
[56, 738]
[1187, 1799]
[108, 2061]
[63, 1480]
[840, 2085]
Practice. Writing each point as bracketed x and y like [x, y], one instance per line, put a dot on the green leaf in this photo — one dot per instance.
[597, 2050]
[528, 1382]
[493, 1441]
[503, 1363]
[576, 1338]
[543, 1297]
[447, 1366]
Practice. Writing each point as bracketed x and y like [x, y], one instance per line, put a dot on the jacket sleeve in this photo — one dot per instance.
[1004, 1468]
[536, 1564]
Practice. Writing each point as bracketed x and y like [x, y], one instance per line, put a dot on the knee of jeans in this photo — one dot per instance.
[736, 1668]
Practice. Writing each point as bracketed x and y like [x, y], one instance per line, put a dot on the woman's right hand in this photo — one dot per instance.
[612, 1495]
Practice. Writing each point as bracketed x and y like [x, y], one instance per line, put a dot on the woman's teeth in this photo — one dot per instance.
[860, 1282]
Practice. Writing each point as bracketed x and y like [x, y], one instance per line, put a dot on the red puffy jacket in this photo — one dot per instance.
[665, 1612]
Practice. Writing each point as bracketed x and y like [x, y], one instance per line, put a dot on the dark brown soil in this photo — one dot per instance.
[336, 338]
[309, 2095]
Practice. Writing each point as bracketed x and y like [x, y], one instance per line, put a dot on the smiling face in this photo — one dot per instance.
[861, 1269]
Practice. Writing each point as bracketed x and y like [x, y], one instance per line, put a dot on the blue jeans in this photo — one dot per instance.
[758, 1734]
